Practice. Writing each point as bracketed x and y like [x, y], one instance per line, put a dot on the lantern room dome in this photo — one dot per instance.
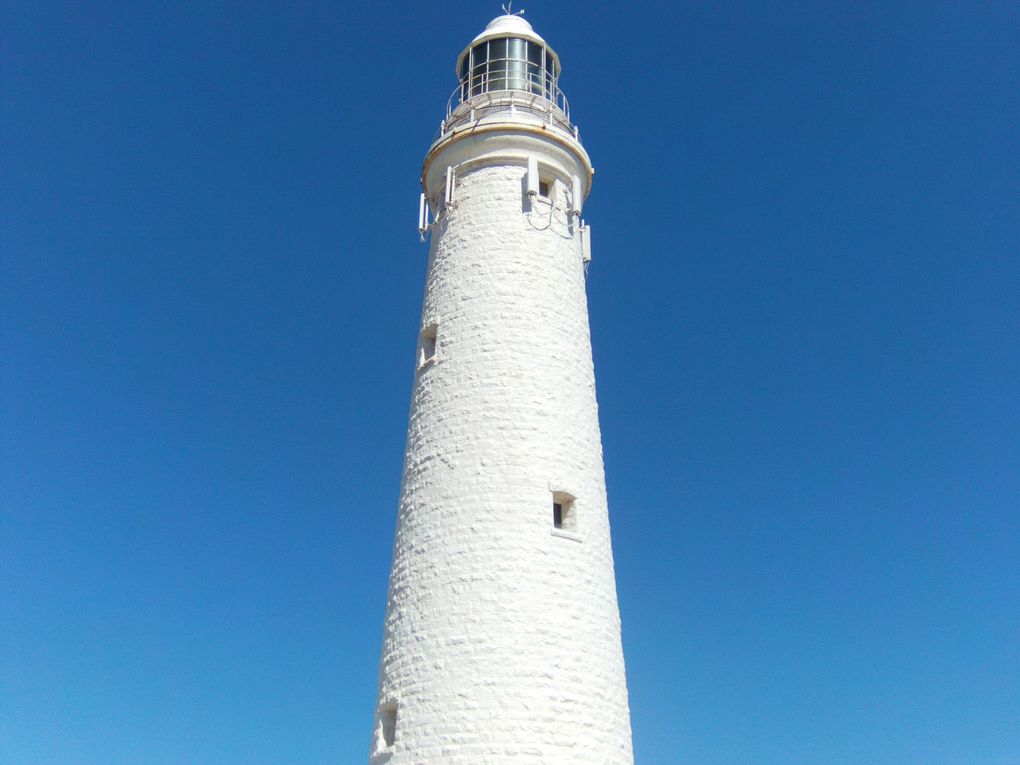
[508, 26]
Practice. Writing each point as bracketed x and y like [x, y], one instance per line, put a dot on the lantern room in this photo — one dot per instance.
[508, 55]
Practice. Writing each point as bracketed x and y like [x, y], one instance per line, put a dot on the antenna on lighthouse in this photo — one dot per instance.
[533, 178]
[575, 196]
[423, 216]
[451, 180]
[506, 9]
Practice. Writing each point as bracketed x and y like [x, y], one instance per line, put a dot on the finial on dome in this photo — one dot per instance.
[506, 9]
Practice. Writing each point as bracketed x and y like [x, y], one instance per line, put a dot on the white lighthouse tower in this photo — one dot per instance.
[502, 633]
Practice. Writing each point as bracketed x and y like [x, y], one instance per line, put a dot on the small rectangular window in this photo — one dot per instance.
[543, 189]
[427, 346]
[386, 727]
[564, 512]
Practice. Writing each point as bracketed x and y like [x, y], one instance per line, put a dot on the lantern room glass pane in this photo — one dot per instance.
[517, 56]
[517, 49]
[497, 75]
[517, 77]
[478, 80]
[535, 79]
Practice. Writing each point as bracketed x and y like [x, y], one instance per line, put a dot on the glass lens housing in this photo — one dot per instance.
[508, 63]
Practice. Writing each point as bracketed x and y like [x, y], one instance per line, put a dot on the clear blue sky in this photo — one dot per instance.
[805, 308]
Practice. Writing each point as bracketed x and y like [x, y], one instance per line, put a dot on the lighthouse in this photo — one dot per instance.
[501, 641]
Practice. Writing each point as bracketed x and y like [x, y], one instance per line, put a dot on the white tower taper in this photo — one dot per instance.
[502, 635]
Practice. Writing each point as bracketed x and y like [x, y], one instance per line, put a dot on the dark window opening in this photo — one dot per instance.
[564, 513]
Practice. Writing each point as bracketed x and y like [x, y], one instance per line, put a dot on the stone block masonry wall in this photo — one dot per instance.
[502, 634]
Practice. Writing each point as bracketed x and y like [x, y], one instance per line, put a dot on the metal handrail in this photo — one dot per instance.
[554, 110]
